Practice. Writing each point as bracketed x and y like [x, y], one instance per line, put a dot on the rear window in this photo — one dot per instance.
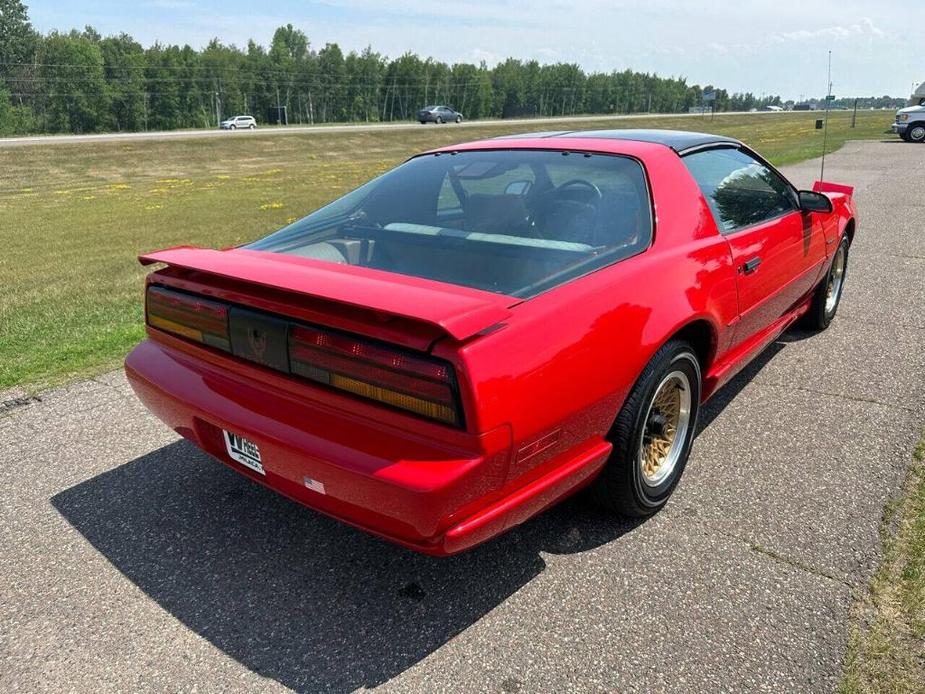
[515, 222]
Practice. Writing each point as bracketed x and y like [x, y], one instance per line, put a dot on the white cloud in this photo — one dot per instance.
[477, 55]
[864, 27]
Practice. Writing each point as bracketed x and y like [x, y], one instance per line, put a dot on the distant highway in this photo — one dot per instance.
[329, 129]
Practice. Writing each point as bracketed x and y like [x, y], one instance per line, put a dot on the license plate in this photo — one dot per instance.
[244, 452]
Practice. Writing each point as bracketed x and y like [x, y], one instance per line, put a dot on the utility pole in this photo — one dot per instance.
[218, 120]
[825, 132]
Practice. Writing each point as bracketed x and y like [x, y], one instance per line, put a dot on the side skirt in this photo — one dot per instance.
[734, 361]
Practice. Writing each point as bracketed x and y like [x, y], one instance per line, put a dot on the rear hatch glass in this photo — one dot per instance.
[516, 222]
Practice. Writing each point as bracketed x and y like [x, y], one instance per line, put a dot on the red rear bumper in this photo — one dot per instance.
[424, 493]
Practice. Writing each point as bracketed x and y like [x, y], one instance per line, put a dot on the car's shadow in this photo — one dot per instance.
[289, 593]
[300, 598]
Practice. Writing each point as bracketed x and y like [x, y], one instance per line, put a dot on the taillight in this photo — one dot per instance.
[189, 316]
[421, 385]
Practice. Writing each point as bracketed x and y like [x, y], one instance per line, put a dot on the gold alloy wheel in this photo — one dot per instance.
[836, 278]
[666, 425]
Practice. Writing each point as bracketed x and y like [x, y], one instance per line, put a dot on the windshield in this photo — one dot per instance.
[515, 222]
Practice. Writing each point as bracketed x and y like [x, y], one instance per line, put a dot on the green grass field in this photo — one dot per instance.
[75, 216]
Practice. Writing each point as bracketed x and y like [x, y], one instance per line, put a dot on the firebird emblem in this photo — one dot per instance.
[258, 343]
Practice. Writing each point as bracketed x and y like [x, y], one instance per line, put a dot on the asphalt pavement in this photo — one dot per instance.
[130, 561]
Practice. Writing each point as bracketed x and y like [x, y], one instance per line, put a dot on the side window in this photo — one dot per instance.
[740, 190]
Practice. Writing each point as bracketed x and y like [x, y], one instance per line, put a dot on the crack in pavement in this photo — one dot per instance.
[797, 563]
[8, 406]
[852, 398]
[708, 527]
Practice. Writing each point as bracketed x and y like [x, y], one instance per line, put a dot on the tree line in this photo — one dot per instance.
[82, 82]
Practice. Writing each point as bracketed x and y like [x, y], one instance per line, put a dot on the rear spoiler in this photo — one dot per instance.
[460, 312]
[826, 187]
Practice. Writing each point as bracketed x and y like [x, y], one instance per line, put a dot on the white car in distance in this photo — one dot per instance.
[237, 122]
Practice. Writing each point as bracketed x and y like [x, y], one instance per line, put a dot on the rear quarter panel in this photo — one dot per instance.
[844, 209]
[559, 370]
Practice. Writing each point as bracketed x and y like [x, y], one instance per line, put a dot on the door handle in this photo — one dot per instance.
[751, 265]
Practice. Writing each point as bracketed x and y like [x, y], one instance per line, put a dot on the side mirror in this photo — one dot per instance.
[814, 202]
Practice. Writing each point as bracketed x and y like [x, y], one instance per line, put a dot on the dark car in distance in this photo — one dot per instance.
[438, 115]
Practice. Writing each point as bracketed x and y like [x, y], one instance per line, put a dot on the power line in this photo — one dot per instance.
[246, 64]
[246, 78]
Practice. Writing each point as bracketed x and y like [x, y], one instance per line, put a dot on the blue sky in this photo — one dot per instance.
[766, 47]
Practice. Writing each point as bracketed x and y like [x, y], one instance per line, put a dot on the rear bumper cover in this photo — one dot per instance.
[412, 490]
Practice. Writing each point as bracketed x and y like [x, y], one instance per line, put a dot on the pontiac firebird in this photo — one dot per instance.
[453, 347]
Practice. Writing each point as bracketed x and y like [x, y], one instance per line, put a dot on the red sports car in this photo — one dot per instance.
[453, 347]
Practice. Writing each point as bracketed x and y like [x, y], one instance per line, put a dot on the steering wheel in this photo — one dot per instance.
[564, 198]
[579, 183]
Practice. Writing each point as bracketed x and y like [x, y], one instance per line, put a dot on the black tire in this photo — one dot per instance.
[438, 120]
[904, 136]
[232, 127]
[620, 487]
[423, 122]
[916, 132]
[820, 314]
[251, 127]
[459, 119]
